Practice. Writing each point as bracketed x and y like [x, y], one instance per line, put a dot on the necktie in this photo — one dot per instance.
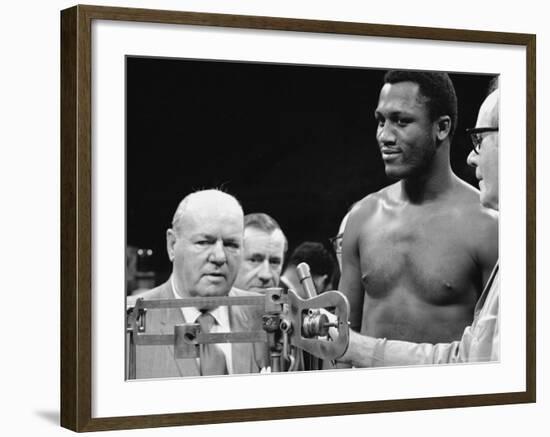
[212, 358]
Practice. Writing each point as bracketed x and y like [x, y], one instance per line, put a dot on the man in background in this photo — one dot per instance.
[322, 265]
[264, 249]
[323, 270]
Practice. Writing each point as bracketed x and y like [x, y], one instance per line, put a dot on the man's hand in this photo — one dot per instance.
[332, 319]
[333, 335]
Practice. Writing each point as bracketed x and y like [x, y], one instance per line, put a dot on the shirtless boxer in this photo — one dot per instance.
[417, 253]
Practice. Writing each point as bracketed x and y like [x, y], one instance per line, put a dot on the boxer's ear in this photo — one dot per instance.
[443, 127]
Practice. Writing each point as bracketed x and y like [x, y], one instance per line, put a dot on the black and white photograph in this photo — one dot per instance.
[289, 218]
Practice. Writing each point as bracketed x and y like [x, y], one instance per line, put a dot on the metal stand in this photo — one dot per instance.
[289, 324]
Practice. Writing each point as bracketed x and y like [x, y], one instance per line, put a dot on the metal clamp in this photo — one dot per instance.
[314, 324]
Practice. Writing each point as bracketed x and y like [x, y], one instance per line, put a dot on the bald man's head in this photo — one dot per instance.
[205, 202]
[205, 243]
[485, 159]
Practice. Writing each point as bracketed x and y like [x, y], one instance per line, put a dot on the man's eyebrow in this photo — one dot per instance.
[231, 240]
[395, 114]
[205, 236]
[389, 113]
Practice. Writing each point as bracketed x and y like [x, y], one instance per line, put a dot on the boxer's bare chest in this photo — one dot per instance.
[420, 251]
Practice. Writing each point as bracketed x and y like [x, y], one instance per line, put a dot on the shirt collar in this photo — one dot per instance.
[190, 314]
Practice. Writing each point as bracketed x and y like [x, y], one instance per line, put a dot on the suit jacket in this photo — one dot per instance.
[159, 361]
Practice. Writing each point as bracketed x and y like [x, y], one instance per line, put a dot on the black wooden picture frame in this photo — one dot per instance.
[76, 216]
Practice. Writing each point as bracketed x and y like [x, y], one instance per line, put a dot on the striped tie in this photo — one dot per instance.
[212, 358]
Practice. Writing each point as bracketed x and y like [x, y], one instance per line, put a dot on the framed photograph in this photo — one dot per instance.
[287, 116]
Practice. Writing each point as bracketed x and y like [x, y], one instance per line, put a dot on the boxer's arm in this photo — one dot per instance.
[350, 281]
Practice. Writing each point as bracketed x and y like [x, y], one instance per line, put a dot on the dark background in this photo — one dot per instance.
[296, 142]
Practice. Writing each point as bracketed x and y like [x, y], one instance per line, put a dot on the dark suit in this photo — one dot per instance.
[159, 361]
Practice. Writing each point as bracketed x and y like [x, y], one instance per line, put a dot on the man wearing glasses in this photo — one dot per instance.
[481, 340]
[417, 253]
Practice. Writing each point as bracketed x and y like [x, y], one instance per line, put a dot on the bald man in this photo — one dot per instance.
[204, 245]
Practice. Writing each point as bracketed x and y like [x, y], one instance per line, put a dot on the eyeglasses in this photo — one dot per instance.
[337, 242]
[476, 137]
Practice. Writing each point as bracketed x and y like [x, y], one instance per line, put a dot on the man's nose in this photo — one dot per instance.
[217, 255]
[265, 274]
[385, 134]
[472, 159]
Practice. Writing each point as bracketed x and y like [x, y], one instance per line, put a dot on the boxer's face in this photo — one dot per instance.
[406, 134]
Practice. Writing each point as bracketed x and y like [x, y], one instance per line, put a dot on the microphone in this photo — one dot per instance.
[304, 275]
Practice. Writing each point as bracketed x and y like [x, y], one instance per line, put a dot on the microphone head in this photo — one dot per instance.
[303, 271]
